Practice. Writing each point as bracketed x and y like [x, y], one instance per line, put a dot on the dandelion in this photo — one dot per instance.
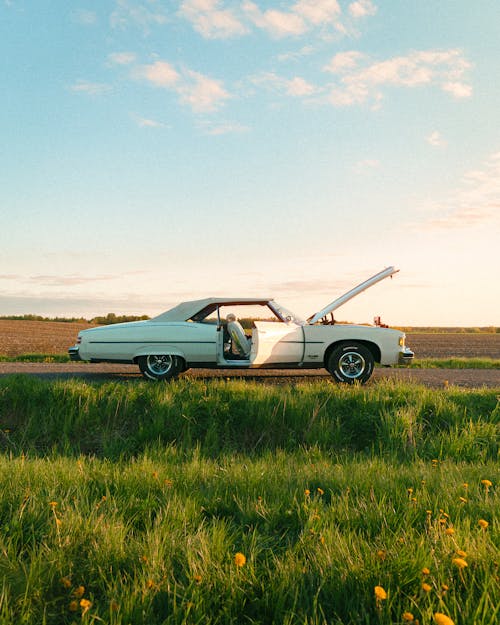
[445, 383]
[155, 475]
[320, 491]
[465, 485]
[461, 553]
[240, 559]
[73, 606]
[380, 593]
[425, 571]
[307, 492]
[53, 504]
[483, 524]
[78, 592]
[486, 483]
[381, 554]
[444, 588]
[449, 531]
[463, 500]
[442, 619]
[409, 491]
[460, 563]
[408, 617]
[197, 579]
[426, 587]
[85, 605]
[66, 582]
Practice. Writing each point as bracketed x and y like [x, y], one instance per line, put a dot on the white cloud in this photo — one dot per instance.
[222, 128]
[475, 203]
[458, 89]
[91, 88]
[435, 139]
[344, 61]
[302, 17]
[160, 74]
[362, 8]
[143, 122]
[210, 20]
[360, 82]
[296, 87]
[201, 93]
[144, 15]
[122, 58]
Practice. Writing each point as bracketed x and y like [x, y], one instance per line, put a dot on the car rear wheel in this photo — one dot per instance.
[351, 362]
[159, 367]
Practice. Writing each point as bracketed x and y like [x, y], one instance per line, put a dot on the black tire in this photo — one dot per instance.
[160, 367]
[350, 363]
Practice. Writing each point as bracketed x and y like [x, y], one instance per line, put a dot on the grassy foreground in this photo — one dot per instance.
[232, 502]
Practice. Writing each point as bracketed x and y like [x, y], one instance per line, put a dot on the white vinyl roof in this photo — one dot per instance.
[186, 310]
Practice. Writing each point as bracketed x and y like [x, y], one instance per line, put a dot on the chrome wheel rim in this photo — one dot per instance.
[160, 365]
[352, 365]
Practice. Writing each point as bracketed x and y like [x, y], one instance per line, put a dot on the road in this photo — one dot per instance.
[106, 372]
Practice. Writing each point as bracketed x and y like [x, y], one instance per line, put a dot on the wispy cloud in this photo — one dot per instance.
[360, 79]
[362, 8]
[475, 203]
[211, 20]
[84, 17]
[222, 128]
[295, 87]
[143, 15]
[122, 58]
[436, 140]
[201, 93]
[91, 88]
[144, 122]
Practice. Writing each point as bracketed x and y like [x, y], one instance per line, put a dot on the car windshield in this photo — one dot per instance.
[286, 314]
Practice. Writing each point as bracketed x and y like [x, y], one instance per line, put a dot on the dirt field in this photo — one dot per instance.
[52, 337]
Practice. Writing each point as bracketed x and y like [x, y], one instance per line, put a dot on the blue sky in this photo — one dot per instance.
[155, 151]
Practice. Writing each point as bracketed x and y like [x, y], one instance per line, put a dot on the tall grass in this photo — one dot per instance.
[111, 420]
[126, 504]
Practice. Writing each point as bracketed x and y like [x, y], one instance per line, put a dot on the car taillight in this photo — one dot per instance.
[79, 340]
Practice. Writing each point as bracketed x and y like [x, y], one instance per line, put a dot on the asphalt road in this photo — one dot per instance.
[105, 372]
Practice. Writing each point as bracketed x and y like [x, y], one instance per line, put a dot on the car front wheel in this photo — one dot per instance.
[351, 362]
[159, 367]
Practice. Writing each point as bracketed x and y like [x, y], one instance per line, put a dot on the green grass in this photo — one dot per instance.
[419, 363]
[138, 496]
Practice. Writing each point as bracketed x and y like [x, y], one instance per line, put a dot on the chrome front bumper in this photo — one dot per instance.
[405, 357]
[73, 353]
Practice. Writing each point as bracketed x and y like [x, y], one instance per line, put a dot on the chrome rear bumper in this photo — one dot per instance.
[73, 353]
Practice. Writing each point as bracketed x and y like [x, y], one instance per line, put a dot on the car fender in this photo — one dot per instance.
[158, 349]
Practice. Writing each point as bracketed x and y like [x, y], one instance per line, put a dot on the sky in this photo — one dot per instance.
[156, 151]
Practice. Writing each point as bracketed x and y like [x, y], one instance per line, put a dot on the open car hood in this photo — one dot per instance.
[381, 275]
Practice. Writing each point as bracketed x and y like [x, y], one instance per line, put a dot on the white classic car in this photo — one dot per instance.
[206, 333]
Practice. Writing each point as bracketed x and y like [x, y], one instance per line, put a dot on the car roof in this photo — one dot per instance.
[187, 310]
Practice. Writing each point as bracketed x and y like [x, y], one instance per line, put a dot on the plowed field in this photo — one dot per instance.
[53, 337]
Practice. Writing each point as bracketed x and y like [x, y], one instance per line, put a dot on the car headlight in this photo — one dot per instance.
[402, 341]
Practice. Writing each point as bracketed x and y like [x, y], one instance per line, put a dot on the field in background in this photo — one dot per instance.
[51, 337]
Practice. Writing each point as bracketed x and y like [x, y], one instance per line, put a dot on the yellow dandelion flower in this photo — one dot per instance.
[463, 500]
[321, 491]
[486, 483]
[408, 617]
[155, 475]
[483, 524]
[449, 531]
[150, 583]
[307, 492]
[53, 504]
[425, 571]
[442, 521]
[460, 563]
[444, 587]
[465, 485]
[442, 619]
[380, 593]
[240, 559]
[78, 592]
[197, 579]
[426, 587]
[409, 491]
[73, 606]
[85, 605]
[66, 582]
[381, 554]
[461, 553]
